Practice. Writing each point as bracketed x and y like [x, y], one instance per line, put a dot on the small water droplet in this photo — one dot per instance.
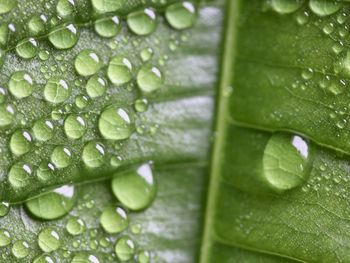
[87, 62]
[142, 22]
[49, 240]
[114, 219]
[21, 84]
[183, 15]
[125, 248]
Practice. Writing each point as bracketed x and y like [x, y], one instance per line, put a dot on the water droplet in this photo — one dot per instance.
[146, 54]
[44, 259]
[114, 219]
[27, 48]
[141, 105]
[54, 204]
[21, 84]
[119, 70]
[103, 6]
[85, 258]
[125, 248]
[7, 5]
[302, 18]
[324, 7]
[142, 22]
[93, 154]
[49, 240]
[36, 25]
[182, 15]
[286, 161]
[43, 130]
[64, 37]
[74, 126]
[149, 79]
[81, 101]
[135, 189]
[286, 6]
[107, 26]
[87, 62]
[20, 249]
[61, 157]
[45, 171]
[328, 28]
[2, 95]
[65, 8]
[20, 142]
[96, 86]
[115, 123]
[143, 257]
[6, 115]
[4, 208]
[19, 175]
[5, 238]
[135, 228]
[75, 226]
[56, 90]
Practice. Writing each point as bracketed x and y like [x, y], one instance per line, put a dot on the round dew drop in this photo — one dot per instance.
[20, 249]
[20, 142]
[2, 95]
[114, 219]
[49, 240]
[6, 115]
[44, 259]
[75, 226]
[85, 258]
[286, 6]
[43, 130]
[74, 126]
[141, 105]
[54, 204]
[143, 257]
[45, 171]
[115, 123]
[286, 161]
[142, 22]
[135, 189]
[81, 101]
[324, 7]
[119, 70]
[64, 37]
[56, 90]
[36, 25]
[103, 6]
[125, 248]
[61, 157]
[21, 84]
[5, 238]
[4, 208]
[27, 49]
[107, 27]
[93, 154]
[181, 15]
[96, 86]
[65, 8]
[149, 79]
[19, 175]
[87, 62]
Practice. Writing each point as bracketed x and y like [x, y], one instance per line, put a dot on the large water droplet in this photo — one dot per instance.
[49, 240]
[19, 175]
[56, 90]
[125, 248]
[43, 130]
[149, 78]
[54, 204]
[119, 70]
[21, 84]
[5, 238]
[64, 37]
[75, 226]
[96, 86]
[27, 48]
[65, 8]
[107, 26]
[181, 15]
[74, 126]
[286, 6]
[324, 7]
[115, 123]
[93, 154]
[114, 219]
[20, 249]
[20, 142]
[135, 189]
[7, 5]
[87, 62]
[142, 22]
[286, 161]
[61, 157]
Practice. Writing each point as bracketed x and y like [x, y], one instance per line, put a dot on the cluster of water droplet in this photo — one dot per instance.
[81, 120]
